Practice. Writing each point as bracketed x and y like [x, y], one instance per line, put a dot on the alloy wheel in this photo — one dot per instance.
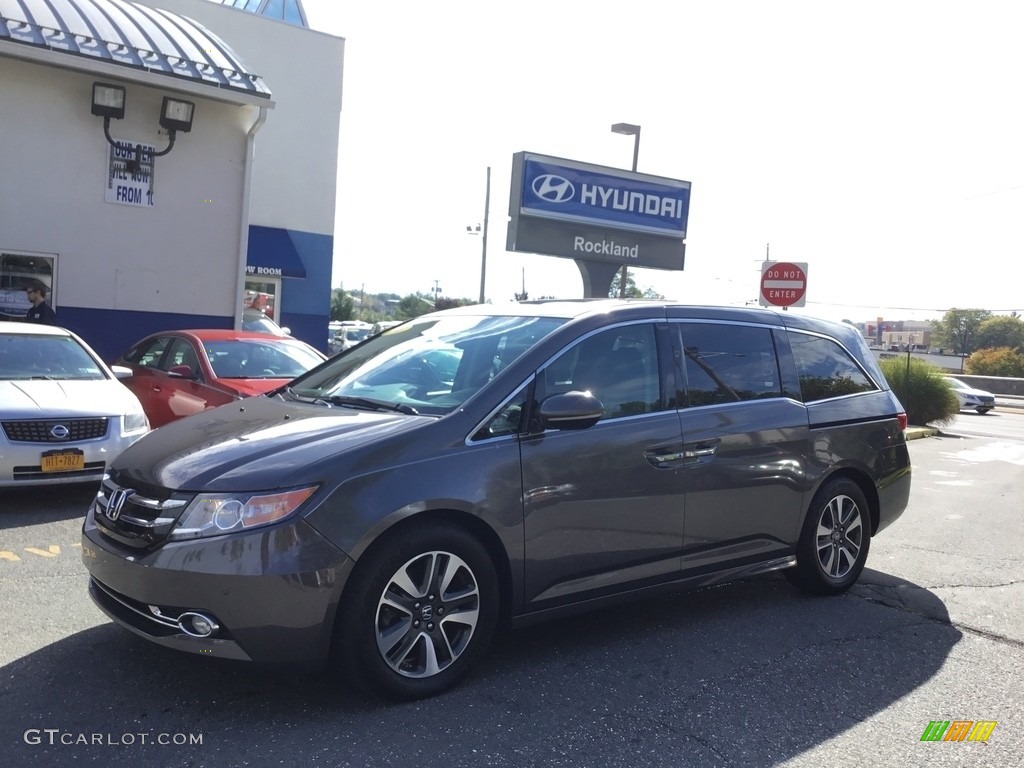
[840, 536]
[427, 614]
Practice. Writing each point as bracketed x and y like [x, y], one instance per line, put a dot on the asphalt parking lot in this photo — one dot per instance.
[746, 674]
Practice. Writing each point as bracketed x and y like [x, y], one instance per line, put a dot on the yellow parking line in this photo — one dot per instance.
[5, 555]
[51, 551]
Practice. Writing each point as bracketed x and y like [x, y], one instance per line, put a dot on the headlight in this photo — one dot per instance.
[135, 422]
[213, 514]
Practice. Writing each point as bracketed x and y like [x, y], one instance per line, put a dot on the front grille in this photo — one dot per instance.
[33, 472]
[135, 519]
[41, 430]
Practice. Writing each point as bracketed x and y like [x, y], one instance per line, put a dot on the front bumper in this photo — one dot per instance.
[20, 462]
[272, 593]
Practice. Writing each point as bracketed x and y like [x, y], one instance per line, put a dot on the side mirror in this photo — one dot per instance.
[572, 410]
[121, 371]
[185, 371]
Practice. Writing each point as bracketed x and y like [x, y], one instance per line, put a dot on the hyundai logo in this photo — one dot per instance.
[116, 503]
[554, 189]
[59, 432]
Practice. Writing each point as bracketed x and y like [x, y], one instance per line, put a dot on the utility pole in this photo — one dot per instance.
[483, 250]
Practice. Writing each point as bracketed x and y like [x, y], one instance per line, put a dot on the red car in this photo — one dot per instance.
[179, 373]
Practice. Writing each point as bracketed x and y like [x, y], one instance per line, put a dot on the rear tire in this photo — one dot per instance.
[835, 539]
[419, 613]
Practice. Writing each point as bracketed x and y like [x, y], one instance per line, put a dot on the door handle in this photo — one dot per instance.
[665, 458]
[689, 453]
[668, 458]
[701, 451]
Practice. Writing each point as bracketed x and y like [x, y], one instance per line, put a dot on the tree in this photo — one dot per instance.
[1001, 331]
[958, 329]
[343, 306]
[632, 292]
[413, 305]
[444, 302]
[1000, 361]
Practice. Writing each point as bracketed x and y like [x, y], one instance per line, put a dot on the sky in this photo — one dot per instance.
[880, 143]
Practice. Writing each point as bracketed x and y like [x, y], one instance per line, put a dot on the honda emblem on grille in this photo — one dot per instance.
[117, 500]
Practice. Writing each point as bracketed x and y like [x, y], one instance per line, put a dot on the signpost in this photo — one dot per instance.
[602, 218]
[783, 284]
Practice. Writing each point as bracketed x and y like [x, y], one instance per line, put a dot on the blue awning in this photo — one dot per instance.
[272, 253]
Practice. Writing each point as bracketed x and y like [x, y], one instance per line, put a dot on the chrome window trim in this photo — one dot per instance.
[494, 412]
[789, 331]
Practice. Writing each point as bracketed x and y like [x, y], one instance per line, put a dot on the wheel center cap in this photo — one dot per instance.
[836, 536]
[427, 612]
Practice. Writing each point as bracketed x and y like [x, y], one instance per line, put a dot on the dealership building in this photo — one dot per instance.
[167, 163]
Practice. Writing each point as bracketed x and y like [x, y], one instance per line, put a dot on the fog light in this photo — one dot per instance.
[197, 625]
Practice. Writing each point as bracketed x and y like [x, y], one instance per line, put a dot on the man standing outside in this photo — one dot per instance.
[40, 311]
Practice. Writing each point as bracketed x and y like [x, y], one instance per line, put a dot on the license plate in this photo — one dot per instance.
[63, 461]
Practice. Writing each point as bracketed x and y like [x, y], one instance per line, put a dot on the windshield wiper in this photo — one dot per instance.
[286, 391]
[375, 405]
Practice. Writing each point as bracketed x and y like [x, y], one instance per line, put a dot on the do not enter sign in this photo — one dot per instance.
[783, 284]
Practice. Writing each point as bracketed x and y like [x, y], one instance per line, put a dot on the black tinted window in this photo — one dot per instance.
[728, 363]
[148, 353]
[826, 369]
[618, 366]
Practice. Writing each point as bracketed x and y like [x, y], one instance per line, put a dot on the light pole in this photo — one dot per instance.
[483, 249]
[628, 129]
[483, 233]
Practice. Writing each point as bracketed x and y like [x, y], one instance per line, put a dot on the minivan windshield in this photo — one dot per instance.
[429, 365]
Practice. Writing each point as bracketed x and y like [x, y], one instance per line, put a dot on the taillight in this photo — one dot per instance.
[901, 417]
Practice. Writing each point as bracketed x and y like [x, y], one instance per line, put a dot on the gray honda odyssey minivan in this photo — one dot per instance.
[488, 466]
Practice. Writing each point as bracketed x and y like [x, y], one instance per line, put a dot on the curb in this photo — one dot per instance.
[915, 433]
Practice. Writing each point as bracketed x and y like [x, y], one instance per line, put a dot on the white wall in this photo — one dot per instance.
[118, 256]
[296, 163]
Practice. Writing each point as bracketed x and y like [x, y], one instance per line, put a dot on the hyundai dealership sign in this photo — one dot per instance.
[594, 213]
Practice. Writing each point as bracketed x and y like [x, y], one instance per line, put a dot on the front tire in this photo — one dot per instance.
[419, 613]
[835, 539]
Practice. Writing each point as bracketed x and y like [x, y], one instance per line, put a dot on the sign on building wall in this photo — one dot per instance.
[130, 175]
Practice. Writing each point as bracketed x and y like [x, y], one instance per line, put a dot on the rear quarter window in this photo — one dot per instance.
[826, 369]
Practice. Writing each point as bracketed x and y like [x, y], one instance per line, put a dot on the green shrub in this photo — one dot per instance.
[923, 390]
[1000, 361]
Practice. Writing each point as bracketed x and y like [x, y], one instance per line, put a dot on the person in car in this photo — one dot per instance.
[40, 311]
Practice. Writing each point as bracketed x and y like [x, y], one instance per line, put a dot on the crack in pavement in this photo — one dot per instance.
[895, 597]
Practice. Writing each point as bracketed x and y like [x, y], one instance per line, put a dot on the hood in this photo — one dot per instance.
[256, 444]
[975, 392]
[65, 398]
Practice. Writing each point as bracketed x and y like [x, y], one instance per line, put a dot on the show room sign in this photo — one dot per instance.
[130, 181]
